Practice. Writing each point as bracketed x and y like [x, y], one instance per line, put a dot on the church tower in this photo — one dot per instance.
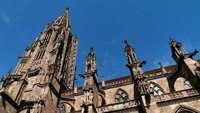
[47, 67]
[91, 86]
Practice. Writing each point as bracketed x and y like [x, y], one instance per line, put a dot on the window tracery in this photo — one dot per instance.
[121, 96]
[155, 89]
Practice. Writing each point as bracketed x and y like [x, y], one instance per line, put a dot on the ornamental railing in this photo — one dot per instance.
[118, 106]
[177, 95]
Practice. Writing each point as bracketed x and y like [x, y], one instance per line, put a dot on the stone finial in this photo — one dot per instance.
[125, 41]
[103, 81]
[91, 50]
[75, 86]
[162, 68]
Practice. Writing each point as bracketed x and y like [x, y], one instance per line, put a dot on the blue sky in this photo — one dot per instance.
[104, 25]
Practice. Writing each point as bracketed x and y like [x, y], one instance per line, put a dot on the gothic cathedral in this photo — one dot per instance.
[43, 80]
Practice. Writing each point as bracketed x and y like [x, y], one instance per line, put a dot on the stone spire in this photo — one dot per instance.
[178, 52]
[90, 75]
[163, 71]
[142, 93]
[103, 81]
[187, 66]
[47, 67]
[130, 53]
[90, 61]
[91, 86]
[63, 19]
[133, 64]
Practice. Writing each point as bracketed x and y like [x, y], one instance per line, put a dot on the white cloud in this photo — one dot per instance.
[5, 18]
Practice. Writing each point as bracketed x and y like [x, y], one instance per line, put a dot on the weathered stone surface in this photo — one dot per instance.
[43, 81]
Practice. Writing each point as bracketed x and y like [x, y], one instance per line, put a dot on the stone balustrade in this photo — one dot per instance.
[177, 95]
[117, 106]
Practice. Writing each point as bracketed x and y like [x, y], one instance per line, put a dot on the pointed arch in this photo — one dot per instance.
[185, 109]
[121, 96]
[181, 83]
[102, 101]
[177, 74]
[156, 89]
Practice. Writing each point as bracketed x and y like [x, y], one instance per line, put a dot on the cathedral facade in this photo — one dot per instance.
[43, 80]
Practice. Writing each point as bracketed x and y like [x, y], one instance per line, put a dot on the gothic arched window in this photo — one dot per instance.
[121, 96]
[156, 89]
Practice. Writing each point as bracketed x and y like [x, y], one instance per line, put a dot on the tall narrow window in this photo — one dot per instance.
[121, 96]
[48, 35]
[37, 57]
[40, 55]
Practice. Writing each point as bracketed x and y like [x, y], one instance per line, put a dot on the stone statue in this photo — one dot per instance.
[90, 96]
